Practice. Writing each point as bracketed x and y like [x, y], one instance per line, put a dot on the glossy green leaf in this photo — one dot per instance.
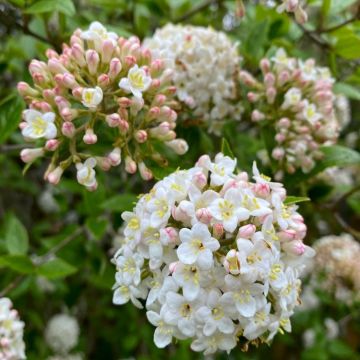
[226, 149]
[348, 90]
[44, 6]
[19, 263]
[295, 199]
[17, 240]
[56, 268]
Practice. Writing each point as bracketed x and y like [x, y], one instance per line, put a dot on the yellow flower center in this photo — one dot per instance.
[39, 125]
[137, 79]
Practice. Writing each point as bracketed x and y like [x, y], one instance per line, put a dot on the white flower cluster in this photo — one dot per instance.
[336, 267]
[297, 99]
[12, 346]
[205, 64]
[214, 256]
[62, 333]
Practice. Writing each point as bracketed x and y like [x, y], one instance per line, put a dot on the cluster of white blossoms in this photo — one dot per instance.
[62, 334]
[214, 256]
[12, 346]
[296, 99]
[336, 267]
[101, 87]
[205, 64]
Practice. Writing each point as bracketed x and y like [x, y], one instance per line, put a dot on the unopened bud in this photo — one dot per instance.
[295, 247]
[180, 146]
[113, 120]
[52, 144]
[246, 231]
[218, 230]
[115, 157]
[90, 137]
[29, 155]
[92, 59]
[68, 129]
[203, 215]
[25, 89]
[54, 176]
[107, 51]
[103, 80]
[130, 165]
[141, 136]
[114, 68]
[256, 116]
[200, 180]
[145, 173]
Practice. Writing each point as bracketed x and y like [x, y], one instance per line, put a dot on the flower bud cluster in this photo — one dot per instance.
[205, 64]
[12, 346]
[101, 88]
[296, 98]
[214, 256]
[336, 267]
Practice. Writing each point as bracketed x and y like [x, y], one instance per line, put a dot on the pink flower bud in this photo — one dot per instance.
[123, 126]
[256, 116]
[169, 235]
[159, 100]
[270, 95]
[247, 78]
[90, 137]
[278, 153]
[170, 90]
[52, 144]
[218, 230]
[25, 89]
[55, 66]
[68, 129]
[74, 39]
[92, 60]
[203, 161]
[141, 136]
[269, 79]
[124, 102]
[103, 80]
[37, 66]
[287, 235]
[203, 215]
[295, 247]
[114, 68]
[107, 50]
[145, 173]
[284, 77]
[69, 81]
[103, 162]
[156, 67]
[115, 157]
[68, 114]
[155, 84]
[54, 176]
[23, 125]
[180, 146]
[284, 123]
[145, 55]
[39, 79]
[61, 103]
[200, 180]
[77, 92]
[130, 61]
[130, 165]
[252, 97]
[265, 65]
[113, 120]
[262, 190]
[29, 155]
[77, 53]
[246, 231]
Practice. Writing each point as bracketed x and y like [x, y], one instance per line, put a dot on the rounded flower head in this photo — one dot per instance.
[12, 346]
[102, 97]
[296, 99]
[212, 256]
[62, 333]
[336, 267]
[205, 63]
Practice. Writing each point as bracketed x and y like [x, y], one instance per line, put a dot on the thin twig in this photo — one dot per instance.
[343, 197]
[318, 41]
[195, 10]
[346, 226]
[336, 27]
[12, 285]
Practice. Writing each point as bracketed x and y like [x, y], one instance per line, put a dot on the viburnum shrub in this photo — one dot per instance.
[295, 98]
[214, 256]
[101, 88]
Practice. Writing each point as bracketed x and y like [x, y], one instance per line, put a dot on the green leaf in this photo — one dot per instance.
[295, 199]
[16, 236]
[10, 115]
[120, 203]
[96, 226]
[348, 90]
[341, 350]
[326, 5]
[19, 263]
[348, 47]
[56, 268]
[44, 6]
[226, 149]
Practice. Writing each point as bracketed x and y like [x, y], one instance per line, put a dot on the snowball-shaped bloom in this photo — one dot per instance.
[39, 125]
[12, 346]
[212, 263]
[205, 63]
[136, 82]
[101, 89]
[62, 333]
[92, 97]
[295, 98]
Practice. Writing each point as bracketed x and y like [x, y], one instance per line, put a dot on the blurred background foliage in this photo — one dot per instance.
[56, 242]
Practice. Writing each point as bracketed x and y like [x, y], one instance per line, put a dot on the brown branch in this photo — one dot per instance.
[195, 10]
[336, 27]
